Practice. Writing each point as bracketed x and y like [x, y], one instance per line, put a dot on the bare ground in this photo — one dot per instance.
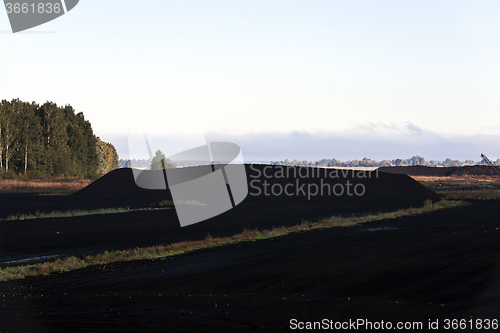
[434, 266]
[437, 266]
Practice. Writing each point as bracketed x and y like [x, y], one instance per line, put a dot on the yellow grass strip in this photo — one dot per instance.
[17, 186]
[454, 178]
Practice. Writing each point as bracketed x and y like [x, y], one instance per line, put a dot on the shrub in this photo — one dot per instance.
[7, 174]
[248, 234]
[305, 225]
[444, 203]
[13, 217]
[36, 174]
[209, 239]
[428, 204]
[323, 223]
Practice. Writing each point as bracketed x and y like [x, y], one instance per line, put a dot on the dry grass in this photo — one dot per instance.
[70, 213]
[472, 195]
[448, 178]
[77, 212]
[165, 204]
[17, 186]
[463, 188]
[161, 251]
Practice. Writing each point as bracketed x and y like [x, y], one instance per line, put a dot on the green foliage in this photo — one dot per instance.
[47, 140]
[9, 174]
[428, 204]
[106, 156]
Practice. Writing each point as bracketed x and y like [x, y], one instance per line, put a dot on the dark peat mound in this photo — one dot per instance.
[119, 183]
[419, 170]
[284, 183]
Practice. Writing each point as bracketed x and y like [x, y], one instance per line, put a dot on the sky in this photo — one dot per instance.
[305, 80]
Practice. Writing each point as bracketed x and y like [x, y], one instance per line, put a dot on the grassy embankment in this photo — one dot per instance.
[72, 263]
[78, 212]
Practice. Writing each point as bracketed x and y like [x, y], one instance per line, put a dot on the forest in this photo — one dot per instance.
[47, 140]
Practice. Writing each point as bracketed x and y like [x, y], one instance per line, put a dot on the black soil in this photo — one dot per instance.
[435, 266]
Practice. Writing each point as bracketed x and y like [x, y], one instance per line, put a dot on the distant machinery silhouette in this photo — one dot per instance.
[487, 160]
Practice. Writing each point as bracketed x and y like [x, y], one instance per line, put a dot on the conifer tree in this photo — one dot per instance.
[159, 162]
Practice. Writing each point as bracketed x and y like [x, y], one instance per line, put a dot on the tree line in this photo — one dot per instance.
[158, 162]
[49, 140]
[366, 162]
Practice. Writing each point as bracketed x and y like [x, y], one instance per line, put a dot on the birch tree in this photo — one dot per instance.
[10, 130]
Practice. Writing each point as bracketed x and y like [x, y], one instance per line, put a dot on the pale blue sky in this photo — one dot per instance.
[378, 76]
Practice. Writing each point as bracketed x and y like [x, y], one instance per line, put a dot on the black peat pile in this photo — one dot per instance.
[419, 170]
[284, 183]
[120, 183]
[320, 183]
